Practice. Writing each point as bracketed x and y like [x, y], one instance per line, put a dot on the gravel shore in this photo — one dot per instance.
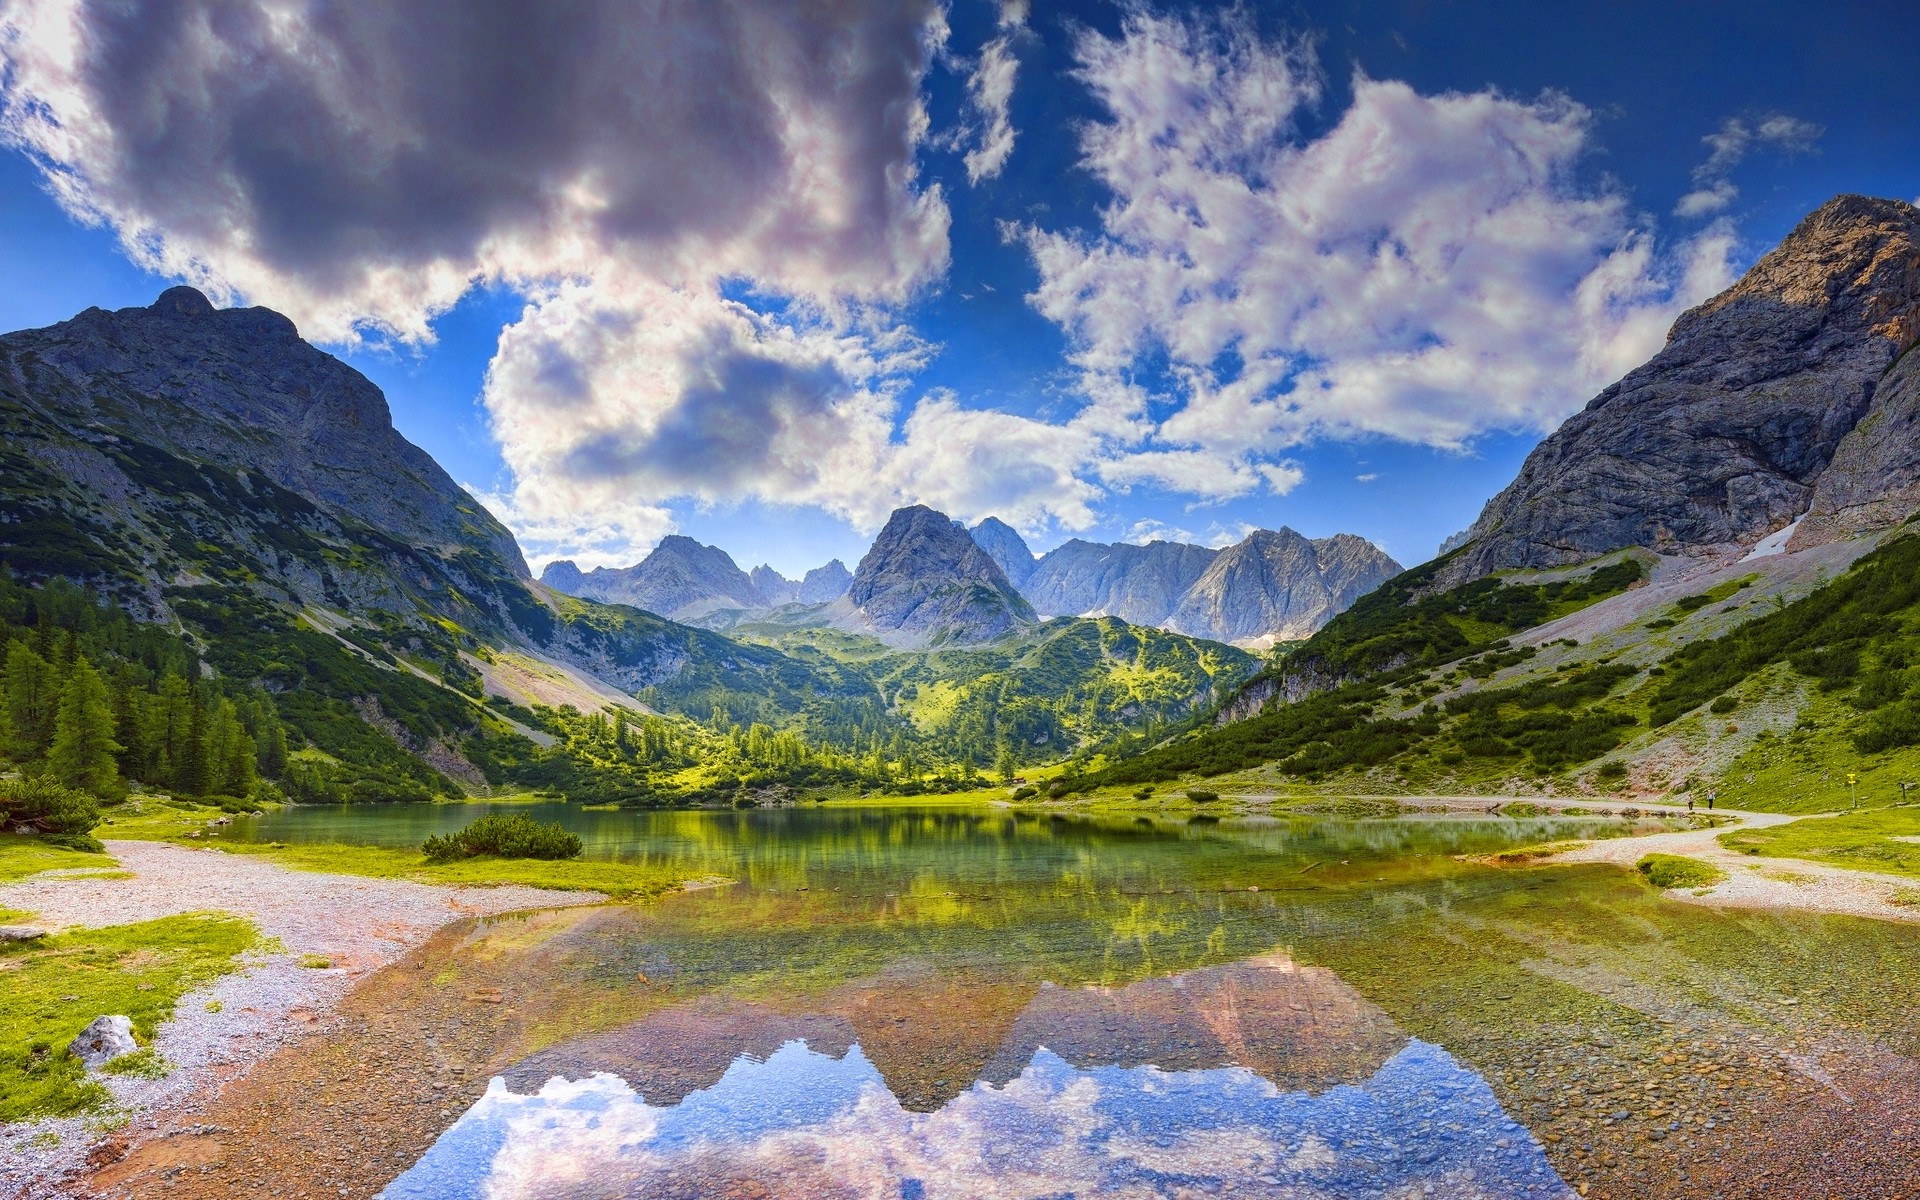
[357, 924]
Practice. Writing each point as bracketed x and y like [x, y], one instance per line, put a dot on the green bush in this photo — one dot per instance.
[1202, 795]
[1675, 871]
[511, 836]
[1724, 704]
[40, 805]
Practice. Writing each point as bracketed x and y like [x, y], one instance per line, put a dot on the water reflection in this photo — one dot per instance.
[1261, 1078]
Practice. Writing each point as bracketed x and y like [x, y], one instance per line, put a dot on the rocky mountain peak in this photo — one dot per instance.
[1007, 548]
[926, 579]
[1725, 435]
[238, 388]
[1277, 585]
[681, 579]
[773, 588]
[825, 584]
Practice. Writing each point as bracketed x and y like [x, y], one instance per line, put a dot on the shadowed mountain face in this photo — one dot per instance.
[1729, 433]
[147, 444]
[925, 581]
[823, 585]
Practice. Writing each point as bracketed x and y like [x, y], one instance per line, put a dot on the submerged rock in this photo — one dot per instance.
[106, 1039]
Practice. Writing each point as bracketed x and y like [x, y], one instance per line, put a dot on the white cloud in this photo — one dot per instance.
[361, 168]
[1429, 268]
[1728, 146]
[990, 93]
[1368, 477]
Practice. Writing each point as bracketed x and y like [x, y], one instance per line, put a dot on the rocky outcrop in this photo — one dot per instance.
[1007, 549]
[103, 1040]
[1874, 479]
[824, 585]
[926, 581]
[680, 579]
[1279, 586]
[1728, 433]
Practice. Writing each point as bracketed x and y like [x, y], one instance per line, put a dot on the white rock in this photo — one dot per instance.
[103, 1041]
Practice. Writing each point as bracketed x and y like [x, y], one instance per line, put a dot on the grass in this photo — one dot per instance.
[52, 989]
[1666, 871]
[21, 856]
[622, 881]
[1864, 840]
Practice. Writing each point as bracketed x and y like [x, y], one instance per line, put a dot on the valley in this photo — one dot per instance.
[922, 850]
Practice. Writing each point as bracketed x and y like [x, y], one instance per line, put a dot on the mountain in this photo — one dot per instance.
[212, 472]
[1272, 586]
[1746, 419]
[823, 585]
[1278, 586]
[1706, 581]
[1141, 584]
[1006, 548]
[925, 580]
[772, 588]
[680, 579]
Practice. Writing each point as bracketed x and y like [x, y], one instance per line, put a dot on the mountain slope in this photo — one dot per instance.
[1278, 586]
[1725, 435]
[210, 468]
[1006, 548]
[926, 581]
[1141, 584]
[1273, 586]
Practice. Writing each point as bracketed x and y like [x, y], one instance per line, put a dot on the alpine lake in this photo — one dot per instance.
[921, 1003]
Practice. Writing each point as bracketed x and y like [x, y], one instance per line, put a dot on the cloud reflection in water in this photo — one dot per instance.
[810, 1126]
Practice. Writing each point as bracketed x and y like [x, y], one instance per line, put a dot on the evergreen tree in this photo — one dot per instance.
[192, 768]
[82, 754]
[31, 698]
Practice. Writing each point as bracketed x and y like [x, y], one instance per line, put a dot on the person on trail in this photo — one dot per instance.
[1712, 795]
[1689, 805]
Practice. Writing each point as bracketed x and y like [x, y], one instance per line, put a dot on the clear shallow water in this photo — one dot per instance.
[922, 1003]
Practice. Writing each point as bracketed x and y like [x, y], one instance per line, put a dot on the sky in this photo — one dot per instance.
[760, 271]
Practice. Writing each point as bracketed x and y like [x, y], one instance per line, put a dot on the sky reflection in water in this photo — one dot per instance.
[1284, 1082]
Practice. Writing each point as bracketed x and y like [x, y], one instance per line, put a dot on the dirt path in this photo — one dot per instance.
[1755, 882]
[355, 924]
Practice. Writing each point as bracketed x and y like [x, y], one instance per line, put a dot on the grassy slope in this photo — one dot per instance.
[22, 856]
[52, 989]
[1769, 682]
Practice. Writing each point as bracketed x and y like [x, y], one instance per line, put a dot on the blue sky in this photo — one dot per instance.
[1333, 266]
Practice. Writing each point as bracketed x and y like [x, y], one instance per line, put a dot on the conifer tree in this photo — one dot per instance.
[30, 702]
[82, 754]
[192, 769]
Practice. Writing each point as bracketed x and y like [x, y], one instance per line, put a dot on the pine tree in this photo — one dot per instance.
[82, 753]
[192, 769]
[31, 699]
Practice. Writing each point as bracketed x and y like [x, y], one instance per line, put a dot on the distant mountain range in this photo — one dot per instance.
[929, 579]
[245, 494]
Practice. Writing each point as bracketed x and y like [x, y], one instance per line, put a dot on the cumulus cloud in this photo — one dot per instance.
[990, 92]
[715, 212]
[1429, 268]
[628, 167]
[1728, 146]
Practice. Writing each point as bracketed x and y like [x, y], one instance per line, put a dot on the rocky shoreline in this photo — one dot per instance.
[354, 925]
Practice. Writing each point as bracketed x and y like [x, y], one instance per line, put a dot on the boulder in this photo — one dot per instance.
[103, 1041]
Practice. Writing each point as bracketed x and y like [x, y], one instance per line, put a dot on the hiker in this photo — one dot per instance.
[1689, 805]
[1712, 795]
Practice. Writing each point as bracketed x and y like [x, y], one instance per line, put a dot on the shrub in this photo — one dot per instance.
[1202, 795]
[1144, 793]
[39, 805]
[1674, 871]
[511, 836]
[1024, 791]
[1724, 704]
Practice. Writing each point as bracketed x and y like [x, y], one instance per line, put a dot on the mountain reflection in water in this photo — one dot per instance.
[1262, 1078]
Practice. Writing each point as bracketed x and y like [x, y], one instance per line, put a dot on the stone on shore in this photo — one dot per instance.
[103, 1041]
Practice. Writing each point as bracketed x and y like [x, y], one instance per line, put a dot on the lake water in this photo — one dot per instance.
[902, 1003]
